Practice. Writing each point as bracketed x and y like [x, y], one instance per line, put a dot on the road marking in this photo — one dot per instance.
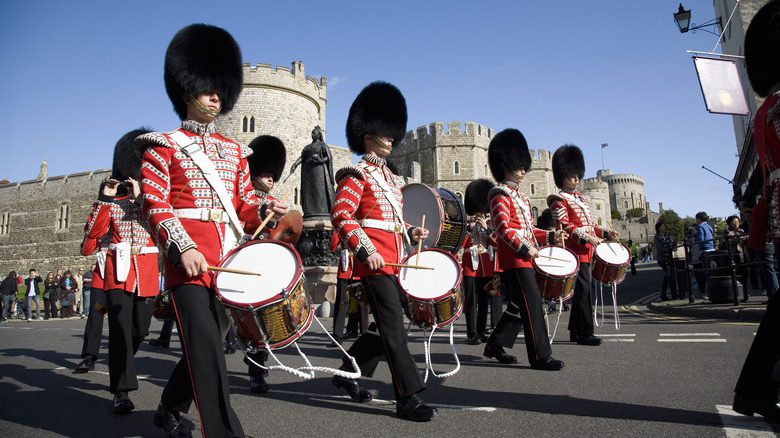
[688, 334]
[631, 335]
[741, 426]
[620, 340]
[693, 340]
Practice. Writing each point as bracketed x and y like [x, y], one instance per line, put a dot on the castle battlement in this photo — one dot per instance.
[623, 178]
[594, 184]
[293, 78]
[74, 178]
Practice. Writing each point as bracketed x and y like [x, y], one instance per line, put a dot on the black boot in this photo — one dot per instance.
[257, 384]
[170, 421]
[414, 409]
[353, 388]
[497, 352]
[588, 340]
[86, 365]
[230, 347]
[549, 363]
[122, 404]
[160, 343]
[769, 410]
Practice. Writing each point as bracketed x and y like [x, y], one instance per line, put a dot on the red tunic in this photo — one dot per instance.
[363, 214]
[767, 139]
[88, 247]
[487, 258]
[573, 213]
[121, 218]
[171, 181]
[510, 213]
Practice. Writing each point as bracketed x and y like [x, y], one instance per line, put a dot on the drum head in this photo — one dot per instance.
[427, 284]
[420, 199]
[613, 253]
[276, 262]
[556, 261]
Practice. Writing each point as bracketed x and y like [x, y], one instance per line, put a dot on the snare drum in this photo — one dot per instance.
[445, 216]
[273, 304]
[610, 262]
[556, 271]
[432, 297]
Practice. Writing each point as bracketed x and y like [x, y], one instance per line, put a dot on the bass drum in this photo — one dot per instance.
[445, 216]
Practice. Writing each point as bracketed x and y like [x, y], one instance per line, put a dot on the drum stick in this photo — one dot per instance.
[420, 242]
[553, 258]
[267, 219]
[401, 265]
[234, 271]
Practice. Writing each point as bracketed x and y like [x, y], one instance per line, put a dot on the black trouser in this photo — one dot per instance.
[129, 317]
[341, 305]
[755, 381]
[581, 318]
[50, 303]
[166, 331]
[470, 306]
[259, 357]
[524, 310]
[201, 374]
[384, 296]
[93, 330]
[485, 300]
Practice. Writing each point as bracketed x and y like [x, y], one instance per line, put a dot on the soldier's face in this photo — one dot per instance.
[570, 182]
[516, 175]
[382, 146]
[264, 182]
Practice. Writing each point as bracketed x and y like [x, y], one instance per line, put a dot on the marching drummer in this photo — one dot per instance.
[510, 212]
[266, 165]
[197, 213]
[368, 216]
[571, 210]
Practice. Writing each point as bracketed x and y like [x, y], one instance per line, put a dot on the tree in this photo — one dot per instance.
[616, 216]
[635, 212]
[675, 226]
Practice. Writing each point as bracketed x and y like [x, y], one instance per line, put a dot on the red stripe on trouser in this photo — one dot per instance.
[529, 323]
[184, 347]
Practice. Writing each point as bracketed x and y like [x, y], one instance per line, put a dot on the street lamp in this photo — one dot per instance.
[683, 19]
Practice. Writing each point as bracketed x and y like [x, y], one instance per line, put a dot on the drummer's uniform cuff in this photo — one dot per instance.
[365, 247]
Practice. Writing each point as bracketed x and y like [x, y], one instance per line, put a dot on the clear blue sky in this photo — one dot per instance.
[78, 74]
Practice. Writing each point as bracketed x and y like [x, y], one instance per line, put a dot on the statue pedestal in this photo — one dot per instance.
[320, 263]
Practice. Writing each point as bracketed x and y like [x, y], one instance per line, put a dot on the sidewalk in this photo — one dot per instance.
[752, 311]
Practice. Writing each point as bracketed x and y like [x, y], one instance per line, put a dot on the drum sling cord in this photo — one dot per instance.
[427, 348]
[557, 321]
[312, 369]
[614, 303]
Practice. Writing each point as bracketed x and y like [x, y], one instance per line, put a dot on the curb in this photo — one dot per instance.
[751, 314]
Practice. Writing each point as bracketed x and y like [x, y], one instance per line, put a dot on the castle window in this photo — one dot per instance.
[598, 208]
[244, 124]
[63, 219]
[535, 212]
[599, 221]
[533, 190]
[624, 227]
[296, 196]
[252, 124]
[456, 168]
[626, 203]
[486, 170]
[5, 220]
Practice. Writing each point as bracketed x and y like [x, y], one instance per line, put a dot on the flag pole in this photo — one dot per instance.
[603, 145]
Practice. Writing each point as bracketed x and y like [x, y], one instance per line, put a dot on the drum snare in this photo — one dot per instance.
[610, 262]
[556, 271]
[432, 297]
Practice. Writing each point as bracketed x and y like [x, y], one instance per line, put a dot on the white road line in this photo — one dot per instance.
[621, 335]
[693, 340]
[740, 426]
[688, 334]
[380, 401]
[620, 340]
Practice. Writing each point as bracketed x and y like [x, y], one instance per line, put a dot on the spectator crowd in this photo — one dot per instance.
[57, 295]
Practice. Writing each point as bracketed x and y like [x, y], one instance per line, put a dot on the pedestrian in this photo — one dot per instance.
[664, 246]
[705, 239]
[8, 294]
[756, 390]
[67, 295]
[86, 289]
[510, 211]
[33, 293]
[78, 305]
[733, 243]
[632, 248]
[50, 296]
[196, 228]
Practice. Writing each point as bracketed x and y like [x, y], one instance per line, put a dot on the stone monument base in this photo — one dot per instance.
[320, 283]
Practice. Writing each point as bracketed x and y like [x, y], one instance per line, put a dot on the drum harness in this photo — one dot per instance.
[193, 150]
[382, 183]
[613, 287]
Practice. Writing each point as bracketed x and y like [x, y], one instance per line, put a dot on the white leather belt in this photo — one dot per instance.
[136, 250]
[774, 175]
[202, 214]
[393, 227]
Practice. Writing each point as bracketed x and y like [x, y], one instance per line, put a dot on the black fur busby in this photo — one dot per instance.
[476, 198]
[127, 156]
[545, 221]
[201, 59]
[762, 49]
[268, 156]
[380, 109]
[507, 152]
[567, 161]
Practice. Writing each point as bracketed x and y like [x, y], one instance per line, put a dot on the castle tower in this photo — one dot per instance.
[285, 103]
[598, 193]
[626, 191]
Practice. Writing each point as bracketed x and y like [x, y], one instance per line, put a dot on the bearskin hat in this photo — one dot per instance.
[762, 49]
[476, 198]
[127, 156]
[268, 156]
[507, 152]
[567, 161]
[201, 59]
[545, 221]
[380, 109]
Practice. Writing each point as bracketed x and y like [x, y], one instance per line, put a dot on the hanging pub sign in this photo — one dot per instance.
[721, 86]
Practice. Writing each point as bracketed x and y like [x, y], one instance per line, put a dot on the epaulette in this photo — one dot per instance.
[354, 170]
[552, 198]
[245, 151]
[157, 138]
[499, 189]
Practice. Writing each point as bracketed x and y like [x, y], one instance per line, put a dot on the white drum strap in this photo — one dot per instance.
[615, 309]
[335, 371]
[206, 167]
[557, 321]
[429, 363]
[388, 192]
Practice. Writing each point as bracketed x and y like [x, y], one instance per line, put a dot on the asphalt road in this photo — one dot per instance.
[655, 376]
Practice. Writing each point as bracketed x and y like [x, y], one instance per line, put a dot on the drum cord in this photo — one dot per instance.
[558, 320]
[429, 363]
[615, 310]
[312, 369]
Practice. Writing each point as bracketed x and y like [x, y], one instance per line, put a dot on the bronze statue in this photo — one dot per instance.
[317, 183]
